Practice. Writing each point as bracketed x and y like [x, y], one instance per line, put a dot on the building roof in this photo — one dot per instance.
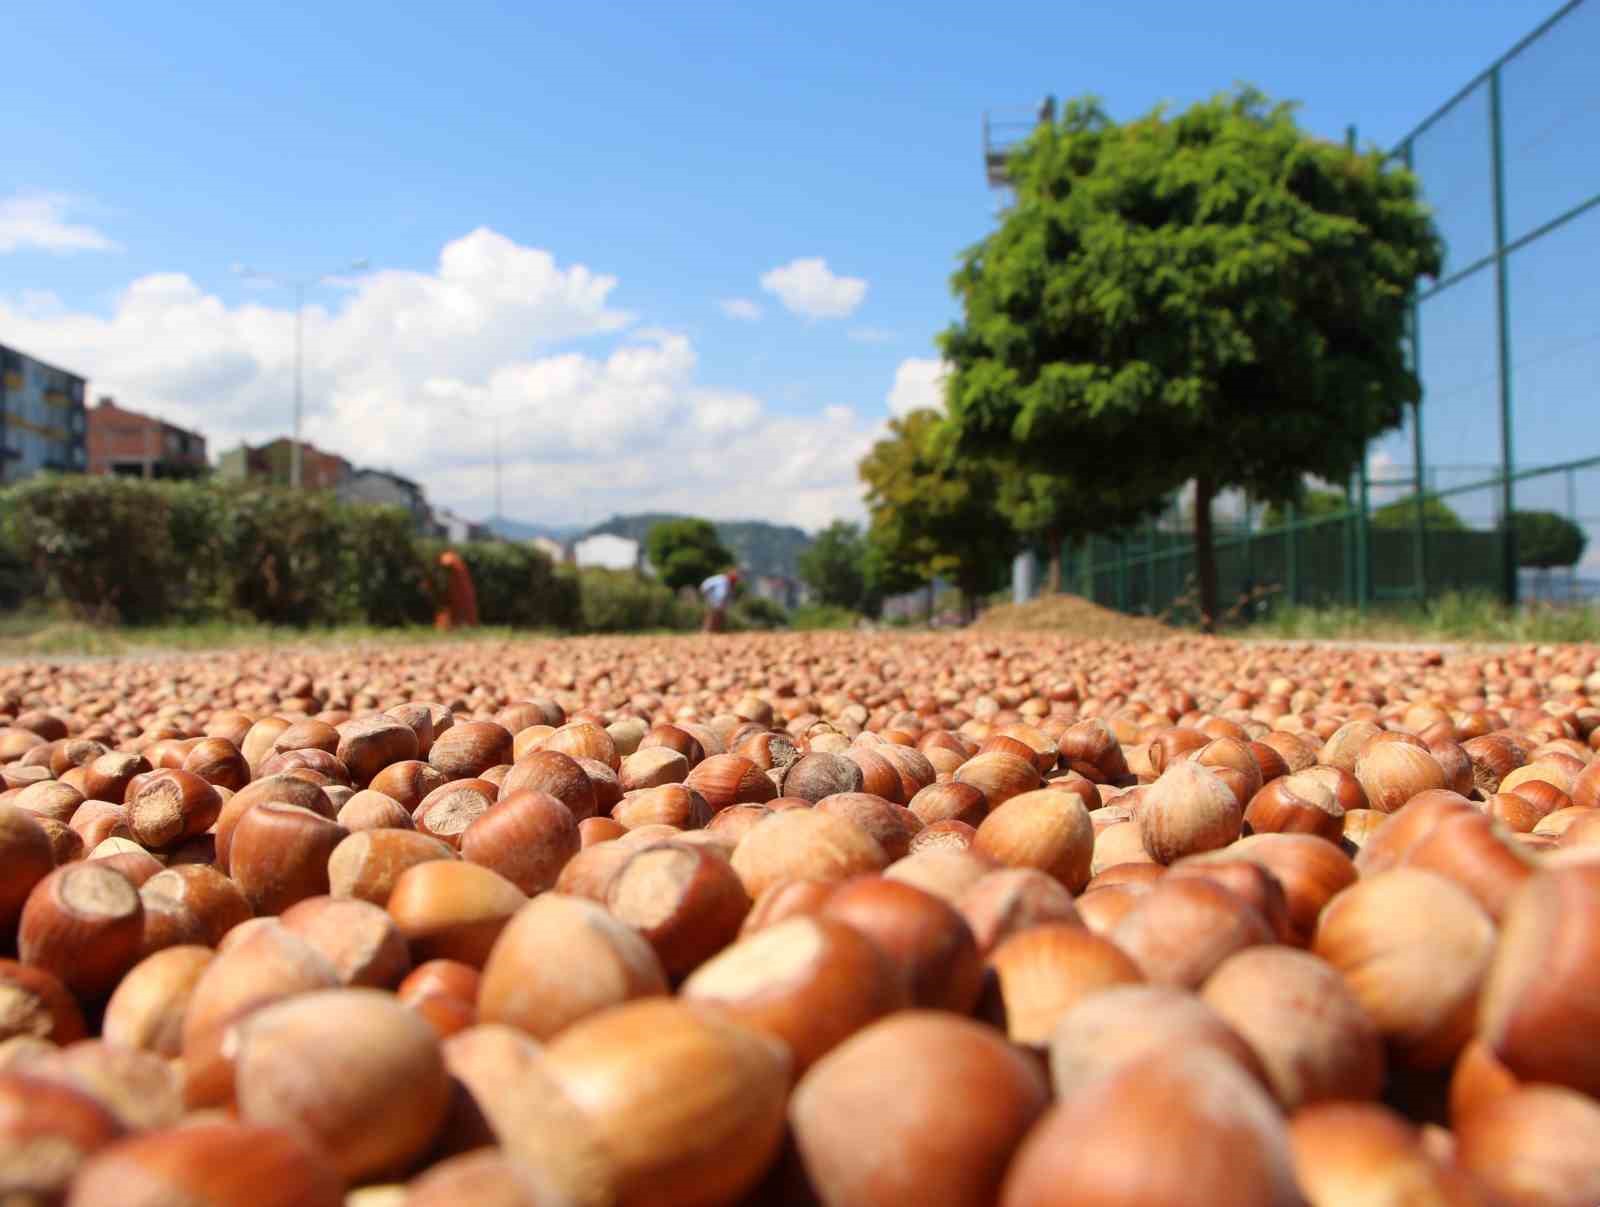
[44, 363]
[108, 403]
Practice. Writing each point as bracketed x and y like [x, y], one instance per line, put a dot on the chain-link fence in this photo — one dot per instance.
[1507, 344]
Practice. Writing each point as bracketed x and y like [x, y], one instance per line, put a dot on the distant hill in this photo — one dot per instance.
[516, 530]
[761, 548]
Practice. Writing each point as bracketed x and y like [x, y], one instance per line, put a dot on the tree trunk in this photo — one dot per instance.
[1205, 553]
[969, 603]
[1053, 574]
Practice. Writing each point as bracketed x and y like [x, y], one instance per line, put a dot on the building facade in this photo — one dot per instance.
[457, 529]
[42, 420]
[274, 461]
[609, 552]
[135, 445]
[377, 486]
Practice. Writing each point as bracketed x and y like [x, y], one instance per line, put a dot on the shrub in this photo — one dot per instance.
[619, 601]
[102, 546]
[517, 585]
[755, 612]
[284, 554]
[823, 616]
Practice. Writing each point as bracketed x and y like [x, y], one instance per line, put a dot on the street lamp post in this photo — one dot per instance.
[299, 285]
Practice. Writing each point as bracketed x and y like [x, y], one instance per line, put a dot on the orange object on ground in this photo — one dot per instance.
[460, 609]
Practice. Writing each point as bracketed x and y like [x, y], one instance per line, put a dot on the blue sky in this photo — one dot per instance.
[568, 208]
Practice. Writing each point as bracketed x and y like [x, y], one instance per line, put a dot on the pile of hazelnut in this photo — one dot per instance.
[849, 919]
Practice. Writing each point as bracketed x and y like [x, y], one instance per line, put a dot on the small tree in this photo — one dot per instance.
[685, 552]
[1314, 504]
[934, 513]
[1402, 513]
[1214, 296]
[1546, 539]
[833, 566]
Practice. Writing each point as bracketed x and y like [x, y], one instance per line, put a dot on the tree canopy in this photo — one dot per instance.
[1214, 295]
[934, 513]
[1314, 504]
[834, 566]
[685, 552]
[1546, 539]
[1402, 513]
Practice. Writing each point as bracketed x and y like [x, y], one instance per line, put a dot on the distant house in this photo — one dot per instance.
[132, 444]
[274, 461]
[781, 590]
[42, 418]
[608, 552]
[554, 550]
[457, 529]
[378, 486]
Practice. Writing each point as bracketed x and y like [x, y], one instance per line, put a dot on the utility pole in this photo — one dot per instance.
[498, 513]
[299, 286]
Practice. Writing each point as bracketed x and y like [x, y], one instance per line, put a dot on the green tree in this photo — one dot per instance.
[1047, 508]
[1402, 513]
[1314, 504]
[834, 566]
[1212, 296]
[685, 552]
[1546, 539]
[934, 512]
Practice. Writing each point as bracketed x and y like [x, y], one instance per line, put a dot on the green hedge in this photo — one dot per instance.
[618, 601]
[141, 552]
[516, 585]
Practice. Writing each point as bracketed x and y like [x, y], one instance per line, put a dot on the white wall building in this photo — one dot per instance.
[608, 552]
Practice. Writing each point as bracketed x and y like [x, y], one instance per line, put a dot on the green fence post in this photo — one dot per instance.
[1088, 567]
[1363, 565]
[1291, 554]
[1122, 573]
[1572, 514]
[1419, 537]
[1150, 563]
[1502, 289]
[1363, 541]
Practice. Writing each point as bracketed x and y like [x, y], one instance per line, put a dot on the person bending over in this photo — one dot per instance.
[718, 592]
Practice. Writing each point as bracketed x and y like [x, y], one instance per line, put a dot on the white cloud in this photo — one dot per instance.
[808, 288]
[38, 222]
[406, 371]
[870, 335]
[742, 309]
[918, 384]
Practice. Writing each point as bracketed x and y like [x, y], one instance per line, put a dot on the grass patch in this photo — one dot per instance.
[1451, 617]
[822, 616]
[37, 635]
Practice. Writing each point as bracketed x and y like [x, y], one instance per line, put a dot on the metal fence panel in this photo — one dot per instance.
[1507, 346]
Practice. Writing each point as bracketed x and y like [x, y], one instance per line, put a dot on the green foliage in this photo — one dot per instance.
[756, 612]
[1213, 295]
[383, 579]
[1312, 505]
[1402, 513]
[102, 546]
[122, 549]
[686, 552]
[517, 585]
[285, 553]
[822, 616]
[933, 510]
[759, 547]
[834, 567]
[1451, 617]
[1546, 539]
[620, 601]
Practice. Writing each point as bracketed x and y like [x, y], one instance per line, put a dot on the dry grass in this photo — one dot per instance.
[1073, 616]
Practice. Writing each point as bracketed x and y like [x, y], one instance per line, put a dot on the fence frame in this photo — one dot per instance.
[1125, 562]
